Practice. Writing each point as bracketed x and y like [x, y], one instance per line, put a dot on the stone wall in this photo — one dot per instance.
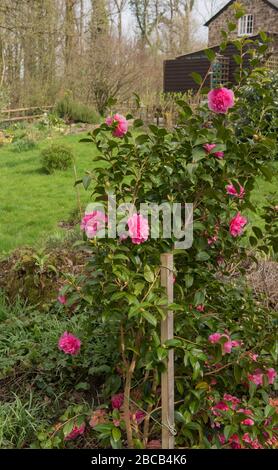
[265, 19]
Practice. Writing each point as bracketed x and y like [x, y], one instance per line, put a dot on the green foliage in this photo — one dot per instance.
[73, 111]
[57, 157]
[23, 145]
[19, 421]
[37, 381]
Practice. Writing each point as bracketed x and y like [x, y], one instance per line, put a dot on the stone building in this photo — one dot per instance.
[260, 15]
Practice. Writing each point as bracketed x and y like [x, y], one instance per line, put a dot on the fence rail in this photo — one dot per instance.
[21, 113]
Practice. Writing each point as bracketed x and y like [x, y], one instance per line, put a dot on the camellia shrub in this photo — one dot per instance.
[224, 341]
[56, 157]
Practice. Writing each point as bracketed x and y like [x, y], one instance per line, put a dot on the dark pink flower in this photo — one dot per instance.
[227, 347]
[231, 398]
[221, 405]
[69, 344]
[237, 224]
[248, 422]
[200, 308]
[256, 378]
[121, 127]
[222, 439]
[271, 375]
[209, 147]
[215, 338]
[253, 356]
[235, 442]
[139, 416]
[219, 155]
[76, 432]
[62, 299]
[138, 229]
[220, 100]
[117, 401]
[209, 150]
[246, 438]
[231, 190]
[245, 411]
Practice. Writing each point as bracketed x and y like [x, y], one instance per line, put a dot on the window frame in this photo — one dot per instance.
[244, 23]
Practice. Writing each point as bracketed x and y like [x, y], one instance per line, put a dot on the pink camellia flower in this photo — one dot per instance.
[122, 125]
[231, 190]
[220, 100]
[92, 223]
[228, 346]
[139, 416]
[271, 375]
[222, 439]
[219, 155]
[62, 299]
[209, 147]
[235, 442]
[69, 344]
[248, 422]
[214, 338]
[117, 401]
[138, 229]
[209, 150]
[200, 308]
[256, 378]
[237, 224]
[221, 405]
[245, 411]
[231, 398]
[256, 444]
[76, 431]
[246, 438]
[253, 356]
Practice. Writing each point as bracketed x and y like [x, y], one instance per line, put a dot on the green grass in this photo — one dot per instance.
[32, 203]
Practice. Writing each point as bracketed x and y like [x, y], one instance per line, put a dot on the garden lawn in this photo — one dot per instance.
[32, 202]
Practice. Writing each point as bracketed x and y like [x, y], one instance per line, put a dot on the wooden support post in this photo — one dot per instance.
[167, 377]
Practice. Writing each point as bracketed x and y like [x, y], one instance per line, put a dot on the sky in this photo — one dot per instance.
[202, 12]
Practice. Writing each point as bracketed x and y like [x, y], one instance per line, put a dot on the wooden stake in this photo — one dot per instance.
[167, 377]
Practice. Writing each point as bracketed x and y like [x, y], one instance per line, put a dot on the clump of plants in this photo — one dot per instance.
[57, 157]
[72, 111]
[23, 145]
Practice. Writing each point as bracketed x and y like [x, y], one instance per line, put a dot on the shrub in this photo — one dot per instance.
[73, 111]
[211, 160]
[23, 145]
[57, 157]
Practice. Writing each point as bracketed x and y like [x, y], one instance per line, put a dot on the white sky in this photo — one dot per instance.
[202, 12]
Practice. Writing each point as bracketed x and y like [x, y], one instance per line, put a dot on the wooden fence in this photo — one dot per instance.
[24, 114]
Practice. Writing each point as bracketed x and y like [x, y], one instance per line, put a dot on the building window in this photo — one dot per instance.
[246, 25]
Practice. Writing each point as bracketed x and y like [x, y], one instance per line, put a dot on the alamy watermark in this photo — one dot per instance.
[165, 220]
